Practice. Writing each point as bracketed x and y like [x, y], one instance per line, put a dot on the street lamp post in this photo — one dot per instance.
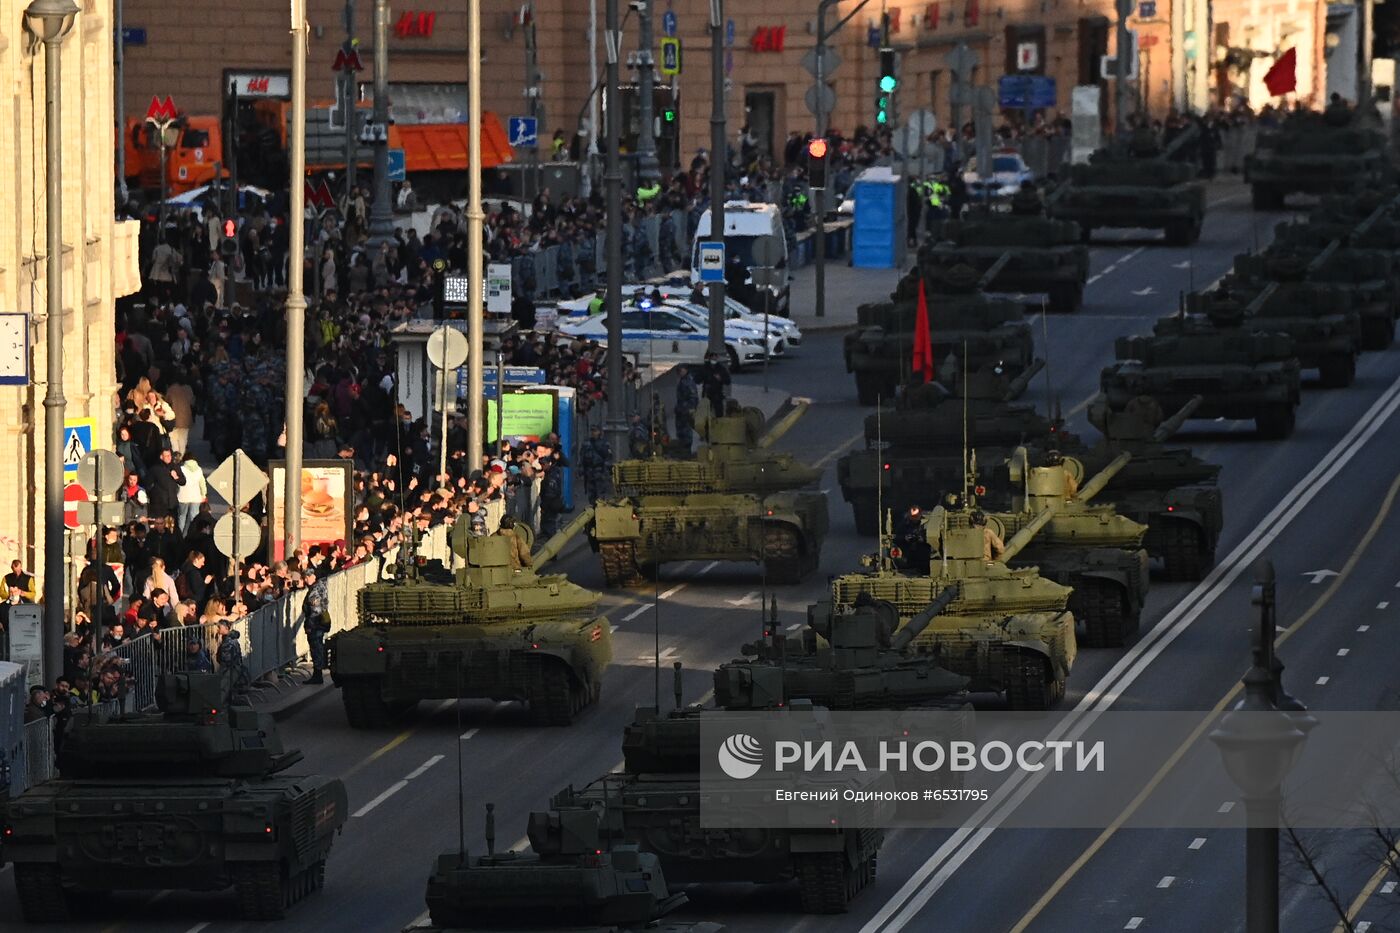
[648, 169]
[381, 211]
[296, 298]
[475, 219]
[1259, 744]
[50, 21]
[719, 161]
[612, 187]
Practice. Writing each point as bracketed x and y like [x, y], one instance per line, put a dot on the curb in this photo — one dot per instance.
[293, 693]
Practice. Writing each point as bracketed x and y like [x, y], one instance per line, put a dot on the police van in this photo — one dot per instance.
[745, 226]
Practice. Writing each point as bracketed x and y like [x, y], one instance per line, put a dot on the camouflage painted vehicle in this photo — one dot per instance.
[913, 454]
[1007, 630]
[1091, 548]
[655, 803]
[1335, 152]
[723, 505]
[1238, 374]
[1028, 251]
[982, 332]
[845, 660]
[196, 797]
[1369, 275]
[1134, 185]
[484, 631]
[573, 877]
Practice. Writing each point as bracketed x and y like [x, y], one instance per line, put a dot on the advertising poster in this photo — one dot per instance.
[526, 416]
[326, 512]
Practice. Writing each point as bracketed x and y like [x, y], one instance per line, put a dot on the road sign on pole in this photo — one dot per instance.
[712, 261]
[820, 99]
[523, 132]
[668, 22]
[398, 165]
[238, 479]
[237, 535]
[670, 57]
[101, 473]
[73, 493]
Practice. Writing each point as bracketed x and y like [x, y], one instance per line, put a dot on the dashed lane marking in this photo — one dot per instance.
[1363, 628]
[421, 769]
[1226, 807]
[1166, 881]
[468, 734]
[1133, 924]
[393, 789]
[1382, 605]
[1388, 887]
[1197, 842]
[794, 626]
[673, 591]
[1322, 681]
[710, 566]
[1343, 652]
[636, 612]
[197, 927]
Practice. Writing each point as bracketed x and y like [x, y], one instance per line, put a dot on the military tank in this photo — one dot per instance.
[1007, 630]
[1335, 152]
[1237, 373]
[724, 505]
[196, 797]
[913, 454]
[984, 333]
[1091, 548]
[1028, 251]
[1134, 184]
[484, 631]
[573, 877]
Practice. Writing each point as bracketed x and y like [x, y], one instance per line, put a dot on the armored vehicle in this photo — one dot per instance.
[655, 803]
[1335, 152]
[572, 878]
[1028, 251]
[847, 659]
[1238, 374]
[1331, 256]
[1006, 630]
[913, 454]
[724, 505]
[486, 630]
[1091, 548]
[982, 332]
[1134, 184]
[195, 797]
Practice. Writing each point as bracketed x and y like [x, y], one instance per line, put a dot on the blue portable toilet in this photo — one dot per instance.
[878, 237]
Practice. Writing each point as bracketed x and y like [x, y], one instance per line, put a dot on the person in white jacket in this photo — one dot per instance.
[192, 495]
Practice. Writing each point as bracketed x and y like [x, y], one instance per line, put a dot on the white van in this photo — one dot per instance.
[745, 224]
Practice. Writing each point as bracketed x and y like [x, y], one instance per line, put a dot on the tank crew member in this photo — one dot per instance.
[992, 545]
[519, 551]
[1056, 459]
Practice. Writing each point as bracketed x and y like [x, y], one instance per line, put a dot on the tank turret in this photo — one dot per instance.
[1019, 251]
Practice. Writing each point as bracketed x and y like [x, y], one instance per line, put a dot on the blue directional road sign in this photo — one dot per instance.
[398, 165]
[523, 131]
[668, 22]
[1018, 92]
[729, 31]
[712, 261]
[133, 35]
[1147, 9]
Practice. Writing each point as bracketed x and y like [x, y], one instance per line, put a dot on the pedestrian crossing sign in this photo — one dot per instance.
[77, 444]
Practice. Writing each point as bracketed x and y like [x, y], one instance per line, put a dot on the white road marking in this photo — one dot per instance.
[1226, 807]
[673, 591]
[1343, 652]
[1166, 881]
[794, 626]
[1363, 628]
[1322, 681]
[1094, 278]
[748, 599]
[926, 881]
[1132, 254]
[197, 927]
[393, 789]
[1363, 926]
[636, 612]
[467, 735]
[1109, 268]
[1388, 887]
[1382, 605]
[710, 566]
[419, 771]
[667, 653]
[1145, 291]
[1197, 842]
[1133, 924]
[612, 629]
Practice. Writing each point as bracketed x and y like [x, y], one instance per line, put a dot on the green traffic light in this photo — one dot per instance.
[887, 83]
[882, 117]
[669, 115]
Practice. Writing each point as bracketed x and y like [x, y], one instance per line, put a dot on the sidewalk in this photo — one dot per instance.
[846, 289]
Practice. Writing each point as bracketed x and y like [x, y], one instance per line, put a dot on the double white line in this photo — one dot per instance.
[934, 873]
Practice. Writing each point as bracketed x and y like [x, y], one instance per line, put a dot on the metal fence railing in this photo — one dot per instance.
[576, 268]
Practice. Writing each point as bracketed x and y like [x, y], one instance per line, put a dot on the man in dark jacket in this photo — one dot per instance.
[195, 581]
[165, 480]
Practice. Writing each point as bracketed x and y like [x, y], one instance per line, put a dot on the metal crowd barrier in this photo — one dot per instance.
[561, 271]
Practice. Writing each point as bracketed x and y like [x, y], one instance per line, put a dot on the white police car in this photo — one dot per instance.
[782, 328]
[1009, 173]
[668, 333]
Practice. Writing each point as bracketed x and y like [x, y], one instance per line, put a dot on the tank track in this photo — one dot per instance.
[553, 698]
[365, 707]
[827, 884]
[1029, 684]
[620, 563]
[264, 894]
[1377, 333]
[1108, 622]
[1275, 421]
[783, 557]
[40, 890]
[1184, 555]
[866, 515]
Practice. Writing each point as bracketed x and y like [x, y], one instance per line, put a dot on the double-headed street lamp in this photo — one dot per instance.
[49, 21]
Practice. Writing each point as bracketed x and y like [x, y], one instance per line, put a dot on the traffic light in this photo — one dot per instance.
[888, 82]
[228, 246]
[668, 121]
[816, 162]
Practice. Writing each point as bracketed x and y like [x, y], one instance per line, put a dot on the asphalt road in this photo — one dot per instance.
[1321, 500]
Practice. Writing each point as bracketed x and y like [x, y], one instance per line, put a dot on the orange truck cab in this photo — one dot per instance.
[189, 163]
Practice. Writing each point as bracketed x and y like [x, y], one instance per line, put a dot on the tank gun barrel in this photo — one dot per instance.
[993, 270]
[1023, 537]
[1261, 299]
[1371, 220]
[551, 548]
[1092, 488]
[1018, 385]
[784, 421]
[914, 627]
[1173, 424]
[1180, 139]
[1321, 258]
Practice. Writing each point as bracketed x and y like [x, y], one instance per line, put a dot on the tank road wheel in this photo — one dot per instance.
[784, 560]
[552, 697]
[40, 890]
[365, 707]
[1065, 297]
[261, 889]
[825, 882]
[1337, 370]
[1108, 623]
[1029, 685]
[620, 563]
[1275, 421]
[1185, 556]
[1377, 333]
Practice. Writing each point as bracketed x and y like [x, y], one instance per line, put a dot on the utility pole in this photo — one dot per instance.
[381, 211]
[475, 268]
[532, 91]
[1123, 66]
[719, 162]
[648, 170]
[612, 187]
[819, 194]
[119, 73]
[347, 91]
[296, 301]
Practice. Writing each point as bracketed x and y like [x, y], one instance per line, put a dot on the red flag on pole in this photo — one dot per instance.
[923, 342]
[1282, 76]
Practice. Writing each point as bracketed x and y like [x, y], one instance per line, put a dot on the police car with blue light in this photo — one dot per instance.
[670, 332]
[782, 328]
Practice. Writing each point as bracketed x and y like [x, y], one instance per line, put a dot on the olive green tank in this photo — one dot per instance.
[573, 877]
[196, 797]
[1336, 152]
[737, 500]
[485, 631]
[1007, 630]
[982, 332]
